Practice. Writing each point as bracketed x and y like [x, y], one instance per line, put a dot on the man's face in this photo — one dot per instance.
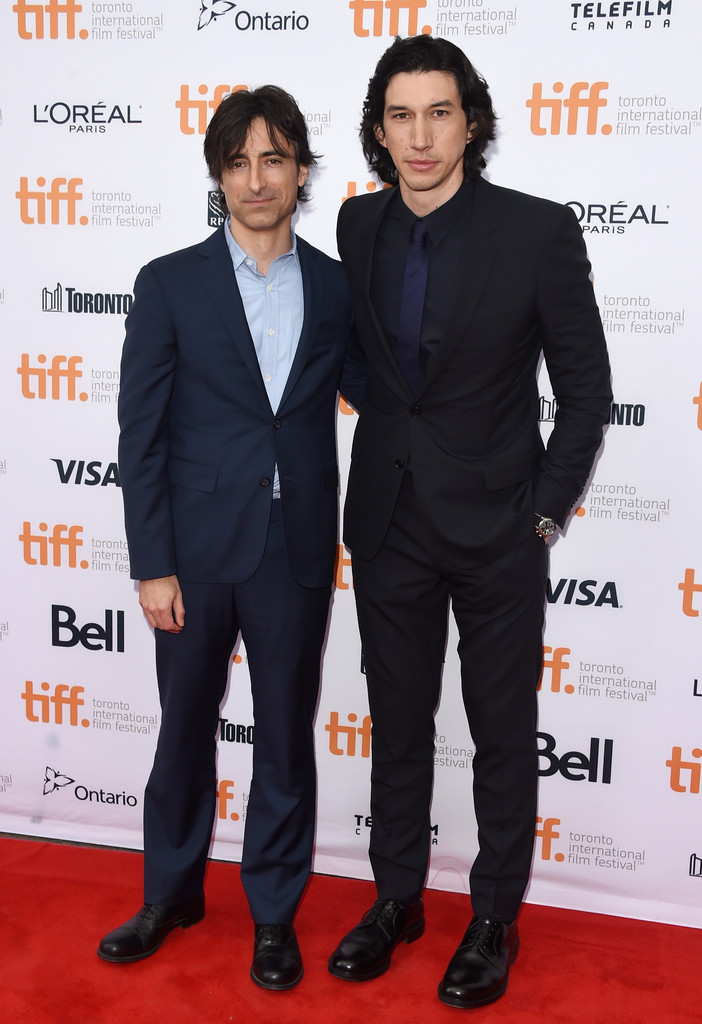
[260, 183]
[425, 131]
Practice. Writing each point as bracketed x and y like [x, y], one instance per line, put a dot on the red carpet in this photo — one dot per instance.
[57, 901]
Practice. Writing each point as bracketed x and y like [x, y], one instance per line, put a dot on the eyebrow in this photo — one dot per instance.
[267, 152]
[436, 103]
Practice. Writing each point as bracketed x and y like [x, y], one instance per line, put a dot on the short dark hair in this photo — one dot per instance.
[418, 54]
[227, 131]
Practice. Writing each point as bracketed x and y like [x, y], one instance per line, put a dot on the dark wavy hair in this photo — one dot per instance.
[415, 55]
[227, 131]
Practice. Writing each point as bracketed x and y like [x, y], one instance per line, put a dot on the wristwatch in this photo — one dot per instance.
[545, 526]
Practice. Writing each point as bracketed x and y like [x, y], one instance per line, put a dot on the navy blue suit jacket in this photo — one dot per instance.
[199, 440]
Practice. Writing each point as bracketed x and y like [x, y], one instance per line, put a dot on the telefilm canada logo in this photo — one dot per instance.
[242, 19]
[614, 15]
[56, 782]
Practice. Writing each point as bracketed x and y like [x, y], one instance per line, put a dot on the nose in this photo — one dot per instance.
[421, 135]
[256, 178]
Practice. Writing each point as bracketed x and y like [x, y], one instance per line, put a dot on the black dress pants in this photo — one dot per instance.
[402, 597]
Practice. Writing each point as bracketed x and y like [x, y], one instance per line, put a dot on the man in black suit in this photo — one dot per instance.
[233, 354]
[458, 288]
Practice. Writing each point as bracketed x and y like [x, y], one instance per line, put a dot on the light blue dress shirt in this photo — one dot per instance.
[274, 307]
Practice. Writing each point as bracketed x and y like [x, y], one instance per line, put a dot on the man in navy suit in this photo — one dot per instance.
[459, 288]
[233, 355]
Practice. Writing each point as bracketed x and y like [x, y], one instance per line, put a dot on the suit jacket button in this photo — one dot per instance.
[400, 463]
[276, 424]
[265, 482]
[415, 411]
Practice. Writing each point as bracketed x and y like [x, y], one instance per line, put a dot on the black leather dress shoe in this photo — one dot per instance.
[365, 952]
[479, 969]
[143, 934]
[277, 962]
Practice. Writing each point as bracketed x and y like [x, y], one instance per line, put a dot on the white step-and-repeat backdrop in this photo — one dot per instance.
[104, 107]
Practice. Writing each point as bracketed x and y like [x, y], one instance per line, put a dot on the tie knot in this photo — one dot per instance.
[419, 233]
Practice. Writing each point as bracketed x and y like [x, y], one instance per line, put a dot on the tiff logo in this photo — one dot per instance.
[49, 707]
[336, 731]
[547, 833]
[34, 378]
[556, 664]
[202, 108]
[352, 187]
[678, 766]
[582, 96]
[62, 196]
[377, 8]
[689, 588]
[59, 13]
[35, 546]
[342, 562]
[697, 400]
[225, 794]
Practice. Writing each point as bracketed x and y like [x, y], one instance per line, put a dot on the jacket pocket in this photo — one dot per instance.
[192, 474]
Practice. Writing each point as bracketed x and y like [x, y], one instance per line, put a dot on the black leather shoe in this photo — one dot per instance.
[277, 962]
[365, 952]
[143, 934]
[479, 969]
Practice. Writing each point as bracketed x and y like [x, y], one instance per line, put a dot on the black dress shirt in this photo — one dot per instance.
[447, 229]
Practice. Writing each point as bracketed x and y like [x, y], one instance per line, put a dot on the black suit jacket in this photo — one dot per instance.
[199, 441]
[479, 464]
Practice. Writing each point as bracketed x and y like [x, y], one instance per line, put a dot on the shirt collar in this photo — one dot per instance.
[240, 257]
[440, 221]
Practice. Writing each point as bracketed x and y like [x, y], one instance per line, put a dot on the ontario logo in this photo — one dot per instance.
[242, 20]
[55, 781]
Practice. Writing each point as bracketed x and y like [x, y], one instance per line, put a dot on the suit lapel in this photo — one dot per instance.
[478, 254]
[219, 281]
[310, 322]
[367, 235]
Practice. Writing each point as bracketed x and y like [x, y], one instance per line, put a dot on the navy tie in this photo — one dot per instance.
[414, 288]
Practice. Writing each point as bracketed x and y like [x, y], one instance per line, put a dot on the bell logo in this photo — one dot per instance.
[677, 766]
[35, 546]
[376, 8]
[225, 793]
[350, 732]
[689, 588]
[573, 764]
[60, 15]
[582, 96]
[61, 197]
[34, 378]
[697, 400]
[49, 707]
[556, 664]
[93, 635]
[203, 108]
[547, 833]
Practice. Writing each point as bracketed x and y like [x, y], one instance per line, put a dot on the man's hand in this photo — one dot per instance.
[162, 603]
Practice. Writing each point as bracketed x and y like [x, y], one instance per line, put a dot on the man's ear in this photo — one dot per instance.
[380, 135]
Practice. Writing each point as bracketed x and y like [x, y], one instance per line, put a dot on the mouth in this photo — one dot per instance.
[422, 165]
